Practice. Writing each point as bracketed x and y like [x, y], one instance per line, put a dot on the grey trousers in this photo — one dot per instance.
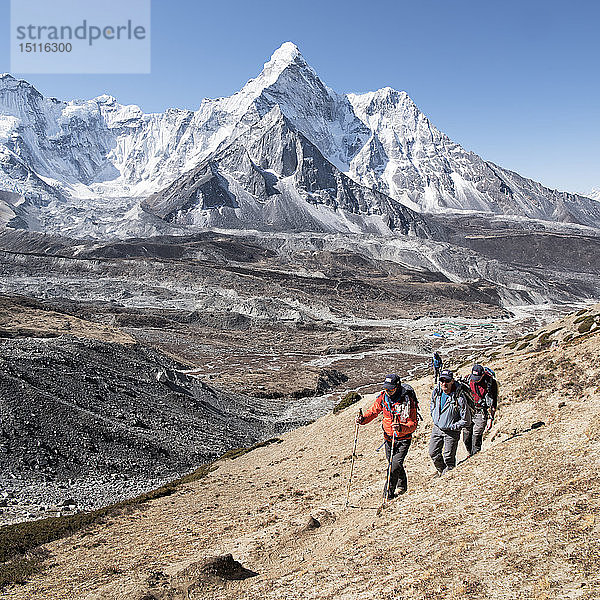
[398, 474]
[473, 435]
[442, 448]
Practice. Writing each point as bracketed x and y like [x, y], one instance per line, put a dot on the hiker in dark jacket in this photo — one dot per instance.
[484, 391]
[450, 413]
[398, 402]
[437, 364]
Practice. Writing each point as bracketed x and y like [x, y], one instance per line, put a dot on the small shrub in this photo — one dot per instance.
[113, 570]
[237, 452]
[574, 385]
[565, 364]
[586, 324]
[544, 340]
[20, 570]
[348, 400]
[523, 341]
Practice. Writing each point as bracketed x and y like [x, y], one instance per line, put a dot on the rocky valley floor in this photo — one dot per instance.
[128, 363]
[152, 356]
[104, 402]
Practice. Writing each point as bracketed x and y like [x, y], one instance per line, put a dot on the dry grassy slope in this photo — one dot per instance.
[519, 520]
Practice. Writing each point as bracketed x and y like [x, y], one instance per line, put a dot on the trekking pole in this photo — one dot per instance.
[353, 457]
[386, 492]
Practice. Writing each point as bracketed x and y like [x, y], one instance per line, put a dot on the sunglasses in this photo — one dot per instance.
[445, 380]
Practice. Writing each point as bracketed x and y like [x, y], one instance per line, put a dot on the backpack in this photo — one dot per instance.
[410, 392]
[491, 378]
[490, 372]
[413, 396]
[466, 382]
[462, 385]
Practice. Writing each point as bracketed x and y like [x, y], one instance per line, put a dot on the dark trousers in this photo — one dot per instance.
[442, 448]
[436, 374]
[473, 435]
[398, 474]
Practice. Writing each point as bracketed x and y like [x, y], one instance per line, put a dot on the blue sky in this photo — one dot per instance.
[517, 82]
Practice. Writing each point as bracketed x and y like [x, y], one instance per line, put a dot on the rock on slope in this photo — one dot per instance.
[519, 520]
[77, 408]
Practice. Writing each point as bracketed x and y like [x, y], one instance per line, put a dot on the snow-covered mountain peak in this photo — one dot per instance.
[106, 99]
[117, 115]
[285, 57]
[387, 102]
[322, 115]
[8, 83]
[594, 194]
[20, 102]
[100, 149]
[286, 54]
[6, 79]
[387, 93]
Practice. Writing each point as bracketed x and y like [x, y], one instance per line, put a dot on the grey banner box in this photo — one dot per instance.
[71, 36]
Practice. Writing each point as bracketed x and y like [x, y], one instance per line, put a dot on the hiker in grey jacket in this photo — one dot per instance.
[450, 413]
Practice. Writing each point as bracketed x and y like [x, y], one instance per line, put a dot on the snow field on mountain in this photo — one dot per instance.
[93, 148]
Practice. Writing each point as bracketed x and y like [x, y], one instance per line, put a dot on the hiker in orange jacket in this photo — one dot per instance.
[398, 403]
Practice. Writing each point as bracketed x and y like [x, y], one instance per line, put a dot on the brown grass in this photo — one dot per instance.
[520, 520]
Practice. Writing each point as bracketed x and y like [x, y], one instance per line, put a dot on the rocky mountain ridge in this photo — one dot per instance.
[595, 194]
[108, 157]
[273, 176]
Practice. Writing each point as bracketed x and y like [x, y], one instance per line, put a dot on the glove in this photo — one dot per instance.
[490, 422]
[397, 427]
[360, 419]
